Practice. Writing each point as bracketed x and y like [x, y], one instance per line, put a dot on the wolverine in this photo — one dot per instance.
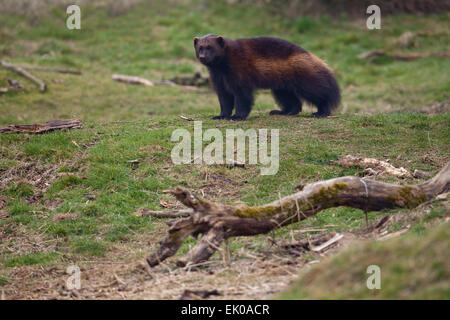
[238, 67]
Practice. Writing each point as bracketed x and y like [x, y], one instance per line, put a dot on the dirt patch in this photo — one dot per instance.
[16, 239]
[250, 274]
[41, 176]
[219, 186]
[3, 202]
[36, 174]
[437, 108]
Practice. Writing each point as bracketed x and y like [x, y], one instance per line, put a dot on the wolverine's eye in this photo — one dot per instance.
[208, 47]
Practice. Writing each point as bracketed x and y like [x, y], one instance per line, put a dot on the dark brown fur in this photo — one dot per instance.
[238, 67]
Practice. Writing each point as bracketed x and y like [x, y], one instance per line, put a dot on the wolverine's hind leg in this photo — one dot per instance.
[288, 101]
[323, 110]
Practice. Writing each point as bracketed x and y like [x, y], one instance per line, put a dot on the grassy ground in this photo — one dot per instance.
[70, 197]
[412, 267]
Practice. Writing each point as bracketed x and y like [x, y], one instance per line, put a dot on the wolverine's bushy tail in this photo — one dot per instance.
[334, 95]
[321, 89]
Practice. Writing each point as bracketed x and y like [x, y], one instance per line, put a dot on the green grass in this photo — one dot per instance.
[411, 267]
[30, 259]
[122, 122]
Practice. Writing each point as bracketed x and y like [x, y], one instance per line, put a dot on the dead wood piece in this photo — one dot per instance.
[186, 118]
[41, 84]
[371, 54]
[393, 234]
[307, 244]
[327, 244]
[196, 80]
[383, 166]
[233, 164]
[198, 294]
[43, 127]
[14, 84]
[217, 222]
[132, 80]
[371, 172]
[382, 222]
[165, 83]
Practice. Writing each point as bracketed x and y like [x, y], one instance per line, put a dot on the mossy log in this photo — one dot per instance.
[217, 222]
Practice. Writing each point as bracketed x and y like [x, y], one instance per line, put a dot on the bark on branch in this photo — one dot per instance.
[217, 222]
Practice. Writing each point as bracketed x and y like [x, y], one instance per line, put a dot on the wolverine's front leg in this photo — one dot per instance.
[226, 101]
[244, 102]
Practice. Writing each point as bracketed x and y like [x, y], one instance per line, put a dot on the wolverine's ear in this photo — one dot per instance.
[195, 41]
[221, 41]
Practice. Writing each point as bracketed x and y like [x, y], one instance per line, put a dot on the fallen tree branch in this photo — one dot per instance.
[404, 57]
[43, 127]
[370, 163]
[217, 222]
[41, 84]
[132, 80]
[58, 70]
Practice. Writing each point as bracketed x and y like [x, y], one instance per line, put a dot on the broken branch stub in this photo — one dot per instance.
[217, 222]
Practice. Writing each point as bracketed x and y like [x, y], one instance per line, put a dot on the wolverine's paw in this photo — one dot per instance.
[275, 112]
[320, 115]
[221, 118]
[238, 118]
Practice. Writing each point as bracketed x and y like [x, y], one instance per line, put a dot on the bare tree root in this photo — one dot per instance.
[217, 222]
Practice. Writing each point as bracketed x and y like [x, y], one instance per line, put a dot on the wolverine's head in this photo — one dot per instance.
[209, 49]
